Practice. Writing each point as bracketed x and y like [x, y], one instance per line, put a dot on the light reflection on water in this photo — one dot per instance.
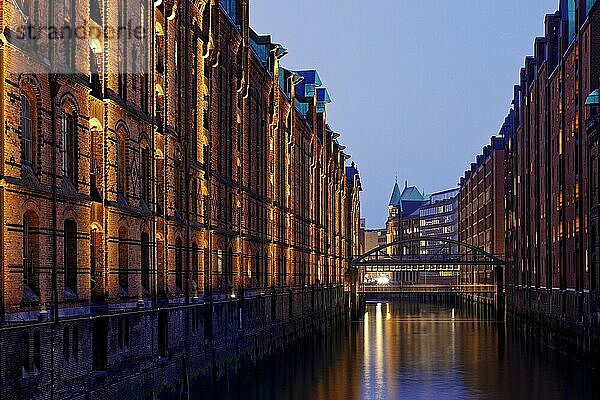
[420, 351]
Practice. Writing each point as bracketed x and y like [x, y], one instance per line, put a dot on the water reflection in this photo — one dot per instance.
[419, 351]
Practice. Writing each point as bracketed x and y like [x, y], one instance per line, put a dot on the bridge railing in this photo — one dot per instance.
[475, 288]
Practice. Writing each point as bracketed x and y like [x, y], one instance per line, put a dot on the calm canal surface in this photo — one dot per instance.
[420, 351]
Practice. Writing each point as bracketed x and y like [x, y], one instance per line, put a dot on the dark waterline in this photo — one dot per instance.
[419, 351]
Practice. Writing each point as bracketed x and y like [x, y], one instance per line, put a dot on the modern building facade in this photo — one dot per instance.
[439, 218]
[158, 193]
[482, 210]
[551, 271]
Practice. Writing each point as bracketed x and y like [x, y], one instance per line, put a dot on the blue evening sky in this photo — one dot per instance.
[418, 87]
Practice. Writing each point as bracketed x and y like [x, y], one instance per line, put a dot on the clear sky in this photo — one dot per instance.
[418, 87]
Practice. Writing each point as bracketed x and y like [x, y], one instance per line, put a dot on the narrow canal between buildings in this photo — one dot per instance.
[409, 350]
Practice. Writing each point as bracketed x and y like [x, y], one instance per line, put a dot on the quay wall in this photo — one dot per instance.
[163, 351]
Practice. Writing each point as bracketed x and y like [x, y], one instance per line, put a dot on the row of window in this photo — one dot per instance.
[28, 132]
[70, 152]
[424, 212]
[256, 273]
[31, 255]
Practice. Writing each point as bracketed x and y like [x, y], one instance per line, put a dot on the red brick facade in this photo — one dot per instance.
[481, 209]
[168, 172]
[549, 271]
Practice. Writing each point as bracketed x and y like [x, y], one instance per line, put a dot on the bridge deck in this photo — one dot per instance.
[465, 289]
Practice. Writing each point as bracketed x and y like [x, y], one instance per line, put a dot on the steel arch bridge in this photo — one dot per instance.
[450, 256]
[453, 259]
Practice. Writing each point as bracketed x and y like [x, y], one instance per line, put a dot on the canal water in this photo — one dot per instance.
[409, 350]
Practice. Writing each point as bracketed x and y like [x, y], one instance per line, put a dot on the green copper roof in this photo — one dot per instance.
[593, 99]
[396, 196]
[412, 194]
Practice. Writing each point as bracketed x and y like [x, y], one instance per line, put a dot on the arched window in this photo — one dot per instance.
[31, 252]
[178, 264]
[69, 151]
[27, 127]
[145, 262]
[70, 258]
[123, 262]
[146, 160]
[121, 162]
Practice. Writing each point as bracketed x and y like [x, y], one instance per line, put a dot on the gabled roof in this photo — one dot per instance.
[353, 176]
[412, 194]
[409, 201]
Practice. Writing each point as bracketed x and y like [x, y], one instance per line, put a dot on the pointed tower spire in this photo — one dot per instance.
[395, 199]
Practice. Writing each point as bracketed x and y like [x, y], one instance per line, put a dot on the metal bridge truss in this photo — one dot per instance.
[450, 255]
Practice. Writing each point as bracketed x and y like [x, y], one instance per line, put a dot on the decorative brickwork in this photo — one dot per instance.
[157, 172]
[550, 271]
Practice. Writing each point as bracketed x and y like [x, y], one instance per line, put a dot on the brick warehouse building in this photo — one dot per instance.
[549, 273]
[481, 207]
[165, 198]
